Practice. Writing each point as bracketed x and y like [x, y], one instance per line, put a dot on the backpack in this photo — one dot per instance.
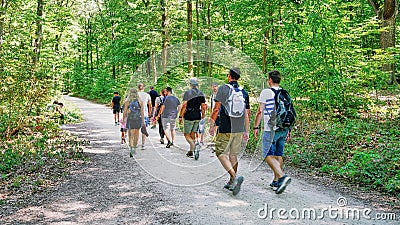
[162, 99]
[134, 108]
[235, 104]
[285, 113]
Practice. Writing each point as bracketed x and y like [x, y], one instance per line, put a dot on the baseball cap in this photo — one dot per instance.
[194, 81]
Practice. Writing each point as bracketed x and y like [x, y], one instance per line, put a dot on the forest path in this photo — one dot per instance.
[163, 186]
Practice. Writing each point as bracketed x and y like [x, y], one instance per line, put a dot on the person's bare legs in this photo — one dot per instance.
[143, 139]
[190, 138]
[227, 164]
[235, 164]
[135, 133]
[275, 165]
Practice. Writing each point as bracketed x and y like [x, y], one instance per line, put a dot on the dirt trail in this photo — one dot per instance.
[162, 186]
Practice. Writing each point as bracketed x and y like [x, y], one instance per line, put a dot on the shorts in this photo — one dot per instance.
[134, 124]
[168, 121]
[228, 144]
[124, 130]
[116, 110]
[273, 146]
[190, 126]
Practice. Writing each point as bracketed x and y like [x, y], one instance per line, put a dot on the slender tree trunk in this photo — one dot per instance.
[91, 47]
[267, 39]
[190, 36]
[208, 38]
[164, 53]
[154, 67]
[87, 46]
[387, 37]
[97, 55]
[37, 43]
[197, 39]
[114, 70]
[3, 11]
[264, 59]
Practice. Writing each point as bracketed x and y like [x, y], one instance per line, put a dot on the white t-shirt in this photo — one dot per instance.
[267, 98]
[145, 98]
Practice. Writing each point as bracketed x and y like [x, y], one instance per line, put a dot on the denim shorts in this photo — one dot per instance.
[273, 146]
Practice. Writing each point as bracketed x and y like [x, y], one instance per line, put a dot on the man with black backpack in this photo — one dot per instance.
[279, 117]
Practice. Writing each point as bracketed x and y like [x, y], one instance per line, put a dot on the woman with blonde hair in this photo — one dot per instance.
[134, 114]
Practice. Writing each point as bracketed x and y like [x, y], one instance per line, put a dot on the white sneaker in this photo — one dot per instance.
[142, 147]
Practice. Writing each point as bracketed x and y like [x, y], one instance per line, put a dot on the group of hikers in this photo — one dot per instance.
[229, 122]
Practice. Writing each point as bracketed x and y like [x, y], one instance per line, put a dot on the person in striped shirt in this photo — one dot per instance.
[273, 139]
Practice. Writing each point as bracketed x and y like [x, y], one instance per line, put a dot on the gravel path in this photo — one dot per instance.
[163, 186]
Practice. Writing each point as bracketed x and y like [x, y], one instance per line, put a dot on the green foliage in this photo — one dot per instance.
[365, 148]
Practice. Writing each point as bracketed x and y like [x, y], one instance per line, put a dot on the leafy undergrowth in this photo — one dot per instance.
[362, 148]
[38, 156]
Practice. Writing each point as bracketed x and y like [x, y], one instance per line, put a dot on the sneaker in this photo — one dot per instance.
[274, 185]
[189, 154]
[169, 144]
[115, 123]
[132, 152]
[142, 147]
[236, 184]
[162, 140]
[227, 185]
[282, 184]
[196, 151]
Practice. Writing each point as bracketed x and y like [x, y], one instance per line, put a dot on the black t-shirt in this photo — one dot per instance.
[117, 102]
[194, 99]
[226, 123]
[153, 95]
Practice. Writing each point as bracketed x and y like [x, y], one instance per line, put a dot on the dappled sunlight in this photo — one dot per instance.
[232, 203]
[71, 206]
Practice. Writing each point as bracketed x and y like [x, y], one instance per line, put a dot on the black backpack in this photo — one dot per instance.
[285, 113]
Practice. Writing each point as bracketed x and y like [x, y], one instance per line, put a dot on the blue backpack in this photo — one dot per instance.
[134, 110]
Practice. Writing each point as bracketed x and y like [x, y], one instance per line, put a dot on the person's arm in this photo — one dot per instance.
[155, 110]
[257, 120]
[160, 112]
[149, 106]
[214, 117]
[182, 111]
[203, 110]
[141, 110]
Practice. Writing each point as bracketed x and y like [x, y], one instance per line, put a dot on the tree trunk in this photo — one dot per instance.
[87, 46]
[114, 71]
[190, 36]
[197, 39]
[164, 18]
[154, 67]
[387, 37]
[37, 43]
[208, 38]
[3, 10]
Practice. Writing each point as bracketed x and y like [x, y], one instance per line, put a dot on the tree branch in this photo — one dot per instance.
[375, 6]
